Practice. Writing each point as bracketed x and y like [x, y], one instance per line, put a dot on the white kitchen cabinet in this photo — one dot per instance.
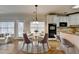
[77, 19]
[53, 19]
[50, 18]
[74, 19]
[56, 19]
[64, 19]
[71, 19]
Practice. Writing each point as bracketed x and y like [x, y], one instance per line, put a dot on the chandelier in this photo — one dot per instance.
[36, 18]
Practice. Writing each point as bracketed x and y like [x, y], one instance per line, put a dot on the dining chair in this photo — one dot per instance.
[26, 41]
[45, 40]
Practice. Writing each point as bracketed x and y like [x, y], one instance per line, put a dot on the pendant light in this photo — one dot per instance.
[36, 18]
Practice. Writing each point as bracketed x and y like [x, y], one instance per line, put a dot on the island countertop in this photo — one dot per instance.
[74, 39]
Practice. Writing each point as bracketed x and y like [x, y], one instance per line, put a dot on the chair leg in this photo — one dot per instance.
[74, 49]
[32, 48]
[43, 47]
[27, 48]
[67, 50]
[23, 46]
[38, 48]
[47, 46]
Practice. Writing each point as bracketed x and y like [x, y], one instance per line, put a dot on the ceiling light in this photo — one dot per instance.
[36, 20]
[76, 6]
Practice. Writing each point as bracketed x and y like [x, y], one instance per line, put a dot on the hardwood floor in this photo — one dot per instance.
[15, 48]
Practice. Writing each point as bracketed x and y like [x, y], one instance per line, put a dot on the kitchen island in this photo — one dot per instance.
[72, 38]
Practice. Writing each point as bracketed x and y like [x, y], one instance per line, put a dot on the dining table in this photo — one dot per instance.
[35, 38]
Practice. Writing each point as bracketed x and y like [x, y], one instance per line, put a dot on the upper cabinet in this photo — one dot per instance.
[64, 19]
[56, 19]
[53, 19]
[71, 19]
[74, 19]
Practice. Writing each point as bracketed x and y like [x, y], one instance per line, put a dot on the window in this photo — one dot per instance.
[40, 27]
[7, 27]
[20, 29]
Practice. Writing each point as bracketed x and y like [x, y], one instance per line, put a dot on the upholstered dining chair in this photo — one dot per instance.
[26, 41]
[45, 40]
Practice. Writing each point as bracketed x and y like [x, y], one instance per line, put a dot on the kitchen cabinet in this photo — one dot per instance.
[71, 19]
[50, 18]
[56, 19]
[74, 19]
[53, 19]
[63, 19]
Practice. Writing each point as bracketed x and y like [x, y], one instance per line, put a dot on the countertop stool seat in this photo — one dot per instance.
[68, 45]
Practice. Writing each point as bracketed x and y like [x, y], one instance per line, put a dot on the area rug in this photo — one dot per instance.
[52, 51]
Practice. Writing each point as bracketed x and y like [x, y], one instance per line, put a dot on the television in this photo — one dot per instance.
[63, 24]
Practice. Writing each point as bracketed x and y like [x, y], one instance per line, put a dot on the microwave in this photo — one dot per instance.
[63, 24]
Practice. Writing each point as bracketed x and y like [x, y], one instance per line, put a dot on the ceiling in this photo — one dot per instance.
[41, 9]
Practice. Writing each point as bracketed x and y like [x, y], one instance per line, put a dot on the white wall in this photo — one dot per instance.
[11, 17]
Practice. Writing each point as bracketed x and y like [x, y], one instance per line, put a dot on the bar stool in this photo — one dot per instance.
[68, 45]
[58, 37]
